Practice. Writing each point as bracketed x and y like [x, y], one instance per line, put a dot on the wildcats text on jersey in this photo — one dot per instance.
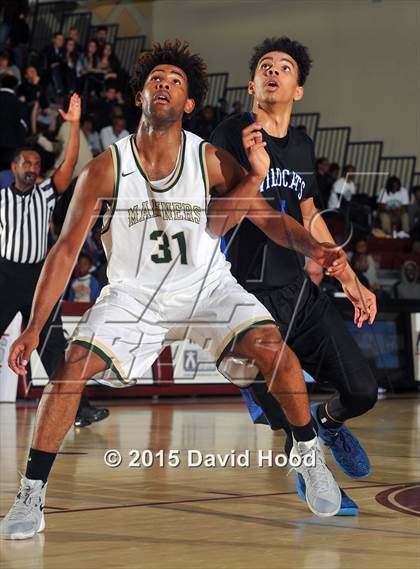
[285, 178]
[176, 211]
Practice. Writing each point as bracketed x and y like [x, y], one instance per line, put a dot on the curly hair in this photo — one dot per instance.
[293, 48]
[178, 54]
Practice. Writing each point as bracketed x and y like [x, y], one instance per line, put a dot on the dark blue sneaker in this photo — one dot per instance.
[346, 450]
[347, 508]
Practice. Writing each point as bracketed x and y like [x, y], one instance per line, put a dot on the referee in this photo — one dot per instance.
[25, 213]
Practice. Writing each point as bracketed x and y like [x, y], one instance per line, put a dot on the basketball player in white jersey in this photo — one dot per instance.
[167, 276]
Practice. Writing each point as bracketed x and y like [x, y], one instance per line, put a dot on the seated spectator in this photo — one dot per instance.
[74, 35]
[62, 138]
[108, 64]
[414, 209]
[32, 88]
[302, 128]
[92, 136]
[393, 206]
[408, 287]
[32, 92]
[85, 287]
[236, 108]
[365, 263]
[13, 120]
[87, 69]
[110, 134]
[54, 59]
[6, 178]
[343, 189]
[323, 182]
[19, 36]
[69, 66]
[101, 36]
[333, 173]
[103, 108]
[222, 110]
[204, 124]
[7, 67]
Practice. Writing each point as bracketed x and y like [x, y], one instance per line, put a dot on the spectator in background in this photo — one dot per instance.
[19, 35]
[333, 173]
[7, 13]
[110, 134]
[33, 92]
[343, 189]
[414, 209]
[7, 67]
[236, 108]
[108, 64]
[302, 128]
[101, 35]
[6, 178]
[323, 182]
[222, 110]
[13, 121]
[69, 66]
[85, 287]
[104, 107]
[92, 136]
[74, 35]
[408, 287]
[54, 59]
[393, 207]
[365, 263]
[205, 122]
[62, 139]
[32, 87]
[87, 69]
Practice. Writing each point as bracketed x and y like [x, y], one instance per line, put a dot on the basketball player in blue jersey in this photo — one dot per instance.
[305, 315]
[167, 276]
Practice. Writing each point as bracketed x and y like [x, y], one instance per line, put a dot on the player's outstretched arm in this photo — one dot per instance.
[363, 299]
[95, 183]
[236, 195]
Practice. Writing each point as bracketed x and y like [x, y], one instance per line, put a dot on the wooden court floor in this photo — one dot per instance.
[202, 517]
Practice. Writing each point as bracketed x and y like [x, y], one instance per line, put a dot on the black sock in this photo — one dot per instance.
[39, 464]
[288, 444]
[326, 421]
[304, 433]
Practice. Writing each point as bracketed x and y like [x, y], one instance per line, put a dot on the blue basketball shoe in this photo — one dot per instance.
[347, 508]
[346, 450]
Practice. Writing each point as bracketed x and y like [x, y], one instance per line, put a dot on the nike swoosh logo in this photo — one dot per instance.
[124, 174]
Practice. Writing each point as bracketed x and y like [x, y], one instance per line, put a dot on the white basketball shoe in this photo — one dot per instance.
[26, 517]
[323, 494]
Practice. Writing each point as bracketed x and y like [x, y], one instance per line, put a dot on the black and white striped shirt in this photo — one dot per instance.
[24, 222]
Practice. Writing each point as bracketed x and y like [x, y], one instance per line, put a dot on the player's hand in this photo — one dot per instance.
[254, 147]
[363, 300]
[74, 111]
[21, 350]
[332, 258]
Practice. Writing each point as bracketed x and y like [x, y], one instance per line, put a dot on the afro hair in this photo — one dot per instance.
[178, 54]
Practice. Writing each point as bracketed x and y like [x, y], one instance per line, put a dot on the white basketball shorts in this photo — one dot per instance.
[129, 333]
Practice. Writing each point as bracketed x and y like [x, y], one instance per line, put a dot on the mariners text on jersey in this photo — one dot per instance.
[177, 211]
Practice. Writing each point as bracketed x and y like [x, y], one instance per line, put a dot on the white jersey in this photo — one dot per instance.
[155, 236]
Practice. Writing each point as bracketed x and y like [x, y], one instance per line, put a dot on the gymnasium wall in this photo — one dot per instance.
[134, 17]
[366, 56]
